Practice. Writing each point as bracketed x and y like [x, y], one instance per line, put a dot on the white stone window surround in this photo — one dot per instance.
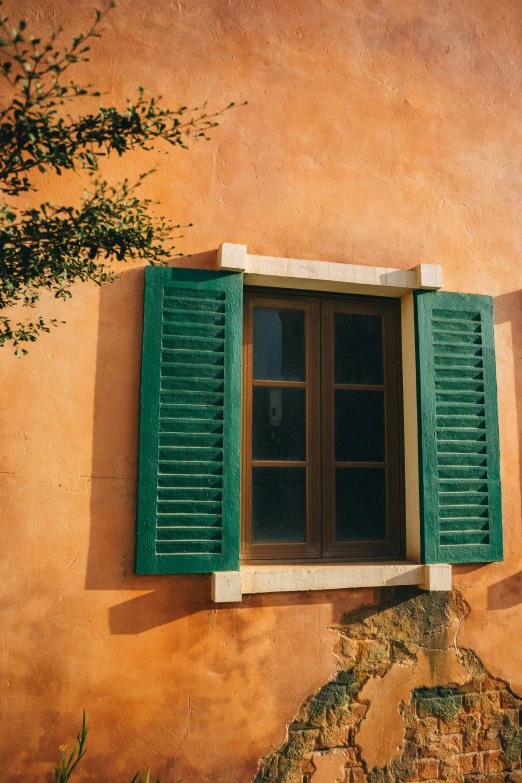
[230, 586]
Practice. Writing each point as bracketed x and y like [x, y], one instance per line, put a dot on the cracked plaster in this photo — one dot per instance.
[405, 703]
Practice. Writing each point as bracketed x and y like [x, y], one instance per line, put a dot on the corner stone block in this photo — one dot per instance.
[231, 257]
[428, 276]
[437, 578]
[226, 587]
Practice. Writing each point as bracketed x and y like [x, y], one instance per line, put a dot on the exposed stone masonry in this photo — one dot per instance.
[456, 722]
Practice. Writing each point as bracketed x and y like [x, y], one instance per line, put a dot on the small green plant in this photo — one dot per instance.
[66, 766]
[68, 763]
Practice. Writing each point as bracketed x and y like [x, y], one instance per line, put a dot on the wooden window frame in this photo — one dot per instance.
[392, 546]
[312, 548]
[321, 546]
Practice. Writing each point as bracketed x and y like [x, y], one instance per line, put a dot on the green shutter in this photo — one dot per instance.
[458, 428]
[188, 489]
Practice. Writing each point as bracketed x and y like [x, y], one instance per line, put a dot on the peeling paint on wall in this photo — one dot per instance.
[405, 703]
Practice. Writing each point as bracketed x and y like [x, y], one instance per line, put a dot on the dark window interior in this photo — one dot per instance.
[322, 454]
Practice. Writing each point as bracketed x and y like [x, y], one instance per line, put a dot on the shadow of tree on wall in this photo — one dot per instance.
[405, 704]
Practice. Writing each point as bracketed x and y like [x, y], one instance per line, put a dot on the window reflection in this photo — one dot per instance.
[279, 344]
[278, 424]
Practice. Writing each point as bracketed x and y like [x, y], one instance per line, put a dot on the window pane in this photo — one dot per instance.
[279, 345]
[359, 426]
[358, 348]
[278, 505]
[278, 424]
[360, 504]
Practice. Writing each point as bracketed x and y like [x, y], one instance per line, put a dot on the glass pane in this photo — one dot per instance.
[359, 426]
[278, 505]
[360, 504]
[278, 423]
[358, 348]
[279, 345]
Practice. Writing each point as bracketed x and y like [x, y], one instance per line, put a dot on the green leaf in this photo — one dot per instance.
[53, 247]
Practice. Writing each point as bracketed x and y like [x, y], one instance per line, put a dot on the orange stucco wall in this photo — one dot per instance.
[382, 132]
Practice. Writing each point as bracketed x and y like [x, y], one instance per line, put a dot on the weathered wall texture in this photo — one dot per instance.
[380, 132]
[406, 703]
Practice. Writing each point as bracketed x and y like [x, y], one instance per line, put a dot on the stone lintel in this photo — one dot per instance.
[231, 257]
[326, 275]
[429, 276]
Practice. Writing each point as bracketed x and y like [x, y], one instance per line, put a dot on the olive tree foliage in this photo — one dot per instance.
[53, 246]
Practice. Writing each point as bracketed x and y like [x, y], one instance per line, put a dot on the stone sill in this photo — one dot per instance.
[230, 586]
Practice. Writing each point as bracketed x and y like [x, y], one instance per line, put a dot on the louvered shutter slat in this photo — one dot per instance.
[458, 428]
[188, 493]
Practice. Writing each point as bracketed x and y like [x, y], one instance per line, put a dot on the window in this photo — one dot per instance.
[321, 428]
[320, 361]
